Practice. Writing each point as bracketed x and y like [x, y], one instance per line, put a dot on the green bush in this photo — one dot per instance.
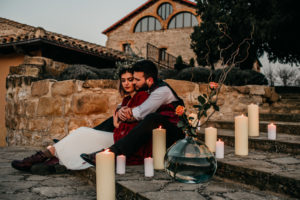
[192, 62]
[240, 77]
[84, 72]
[195, 74]
[180, 65]
[235, 77]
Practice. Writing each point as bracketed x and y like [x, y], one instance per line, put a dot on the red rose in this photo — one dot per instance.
[179, 110]
[213, 85]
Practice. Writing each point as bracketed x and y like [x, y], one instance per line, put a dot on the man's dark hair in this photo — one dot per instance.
[148, 67]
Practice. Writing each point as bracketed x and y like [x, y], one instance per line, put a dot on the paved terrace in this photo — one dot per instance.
[133, 185]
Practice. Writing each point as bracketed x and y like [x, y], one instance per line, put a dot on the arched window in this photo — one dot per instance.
[183, 19]
[164, 10]
[147, 24]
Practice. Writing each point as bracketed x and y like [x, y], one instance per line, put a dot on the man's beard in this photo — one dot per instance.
[143, 88]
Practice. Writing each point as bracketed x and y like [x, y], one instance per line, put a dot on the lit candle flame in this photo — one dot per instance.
[160, 127]
[219, 140]
[106, 151]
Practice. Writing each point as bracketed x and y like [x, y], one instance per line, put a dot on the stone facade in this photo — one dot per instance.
[176, 41]
[38, 111]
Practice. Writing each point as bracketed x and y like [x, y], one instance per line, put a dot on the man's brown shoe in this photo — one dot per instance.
[26, 163]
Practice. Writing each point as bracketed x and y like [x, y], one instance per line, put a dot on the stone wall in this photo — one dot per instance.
[38, 111]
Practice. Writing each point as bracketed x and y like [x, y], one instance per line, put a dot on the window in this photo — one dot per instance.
[162, 54]
[183, 19]
[147, 24]
[165, 10]
[126, 48]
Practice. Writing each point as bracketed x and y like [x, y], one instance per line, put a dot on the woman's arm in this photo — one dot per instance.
[116, 120]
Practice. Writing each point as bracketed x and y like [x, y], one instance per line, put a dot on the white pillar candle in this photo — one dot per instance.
[105, 175]
[148, 167]
[219, 149]
[211, 138]
[159, 147]
[272, 131]
[121, 164]
[241, 135]
[253, 117]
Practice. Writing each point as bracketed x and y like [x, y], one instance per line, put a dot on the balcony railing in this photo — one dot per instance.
[160, 56]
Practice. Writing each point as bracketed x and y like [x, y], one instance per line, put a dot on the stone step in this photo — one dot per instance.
[292, 128]
[284, 143]
[283, 109]
[133, 185]
[287, 104]
[279, 117]
[295, 101]
[267, 171]
[289, 96]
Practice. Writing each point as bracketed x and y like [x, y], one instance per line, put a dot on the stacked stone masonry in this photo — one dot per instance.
[38, 111]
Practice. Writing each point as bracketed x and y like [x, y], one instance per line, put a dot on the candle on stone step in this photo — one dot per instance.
[105, 175]
[219, 149]
[241, 135]
[253, 117]
[272, 131]
[159, 147]
[148, 167]
[121, 164]
[211, 138]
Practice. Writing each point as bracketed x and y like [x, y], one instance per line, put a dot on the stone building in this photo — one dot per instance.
[159, 30]
[18, 41]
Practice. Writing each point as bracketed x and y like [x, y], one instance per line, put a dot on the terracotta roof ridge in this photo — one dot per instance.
[32, 33]
[16, 24]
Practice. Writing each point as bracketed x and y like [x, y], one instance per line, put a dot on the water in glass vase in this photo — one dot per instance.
[190, 161]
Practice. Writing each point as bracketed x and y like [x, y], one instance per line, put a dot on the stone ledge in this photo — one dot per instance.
[284, 143]
[268, 171]
[133, 185]
[292, 128]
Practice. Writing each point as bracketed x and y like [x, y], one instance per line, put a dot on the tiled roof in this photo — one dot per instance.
[138, 10]
[12, 33]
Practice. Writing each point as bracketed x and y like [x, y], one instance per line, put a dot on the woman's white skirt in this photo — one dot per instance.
[81, 140]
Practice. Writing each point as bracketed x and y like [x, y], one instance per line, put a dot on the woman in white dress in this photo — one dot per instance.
[82, 140]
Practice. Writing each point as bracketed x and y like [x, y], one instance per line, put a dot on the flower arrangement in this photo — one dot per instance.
[189, 123]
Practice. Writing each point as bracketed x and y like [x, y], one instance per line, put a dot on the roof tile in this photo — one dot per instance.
[13, 32]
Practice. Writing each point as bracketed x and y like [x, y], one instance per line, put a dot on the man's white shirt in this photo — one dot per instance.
[160, 96]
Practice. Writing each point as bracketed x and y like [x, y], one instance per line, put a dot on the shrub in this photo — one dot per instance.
[235, 77]
[192, 62]
[84, 72]
[179, 65]
[240, 77]
[195, 74]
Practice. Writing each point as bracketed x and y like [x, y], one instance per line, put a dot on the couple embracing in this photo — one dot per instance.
[147, 103]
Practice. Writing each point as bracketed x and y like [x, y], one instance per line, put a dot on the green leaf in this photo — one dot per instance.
[191, 118]
[193, 131]
[206, 106]
[196, 106]
[205, 96]
[180, 124]
[201, 99]
[216, 107]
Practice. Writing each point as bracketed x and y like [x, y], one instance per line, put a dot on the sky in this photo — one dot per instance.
[81, 19]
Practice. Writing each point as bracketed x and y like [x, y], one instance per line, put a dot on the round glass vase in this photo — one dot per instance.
[190, 161]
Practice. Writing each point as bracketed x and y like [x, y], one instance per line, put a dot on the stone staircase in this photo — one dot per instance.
[270, 171]
[272, 165]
